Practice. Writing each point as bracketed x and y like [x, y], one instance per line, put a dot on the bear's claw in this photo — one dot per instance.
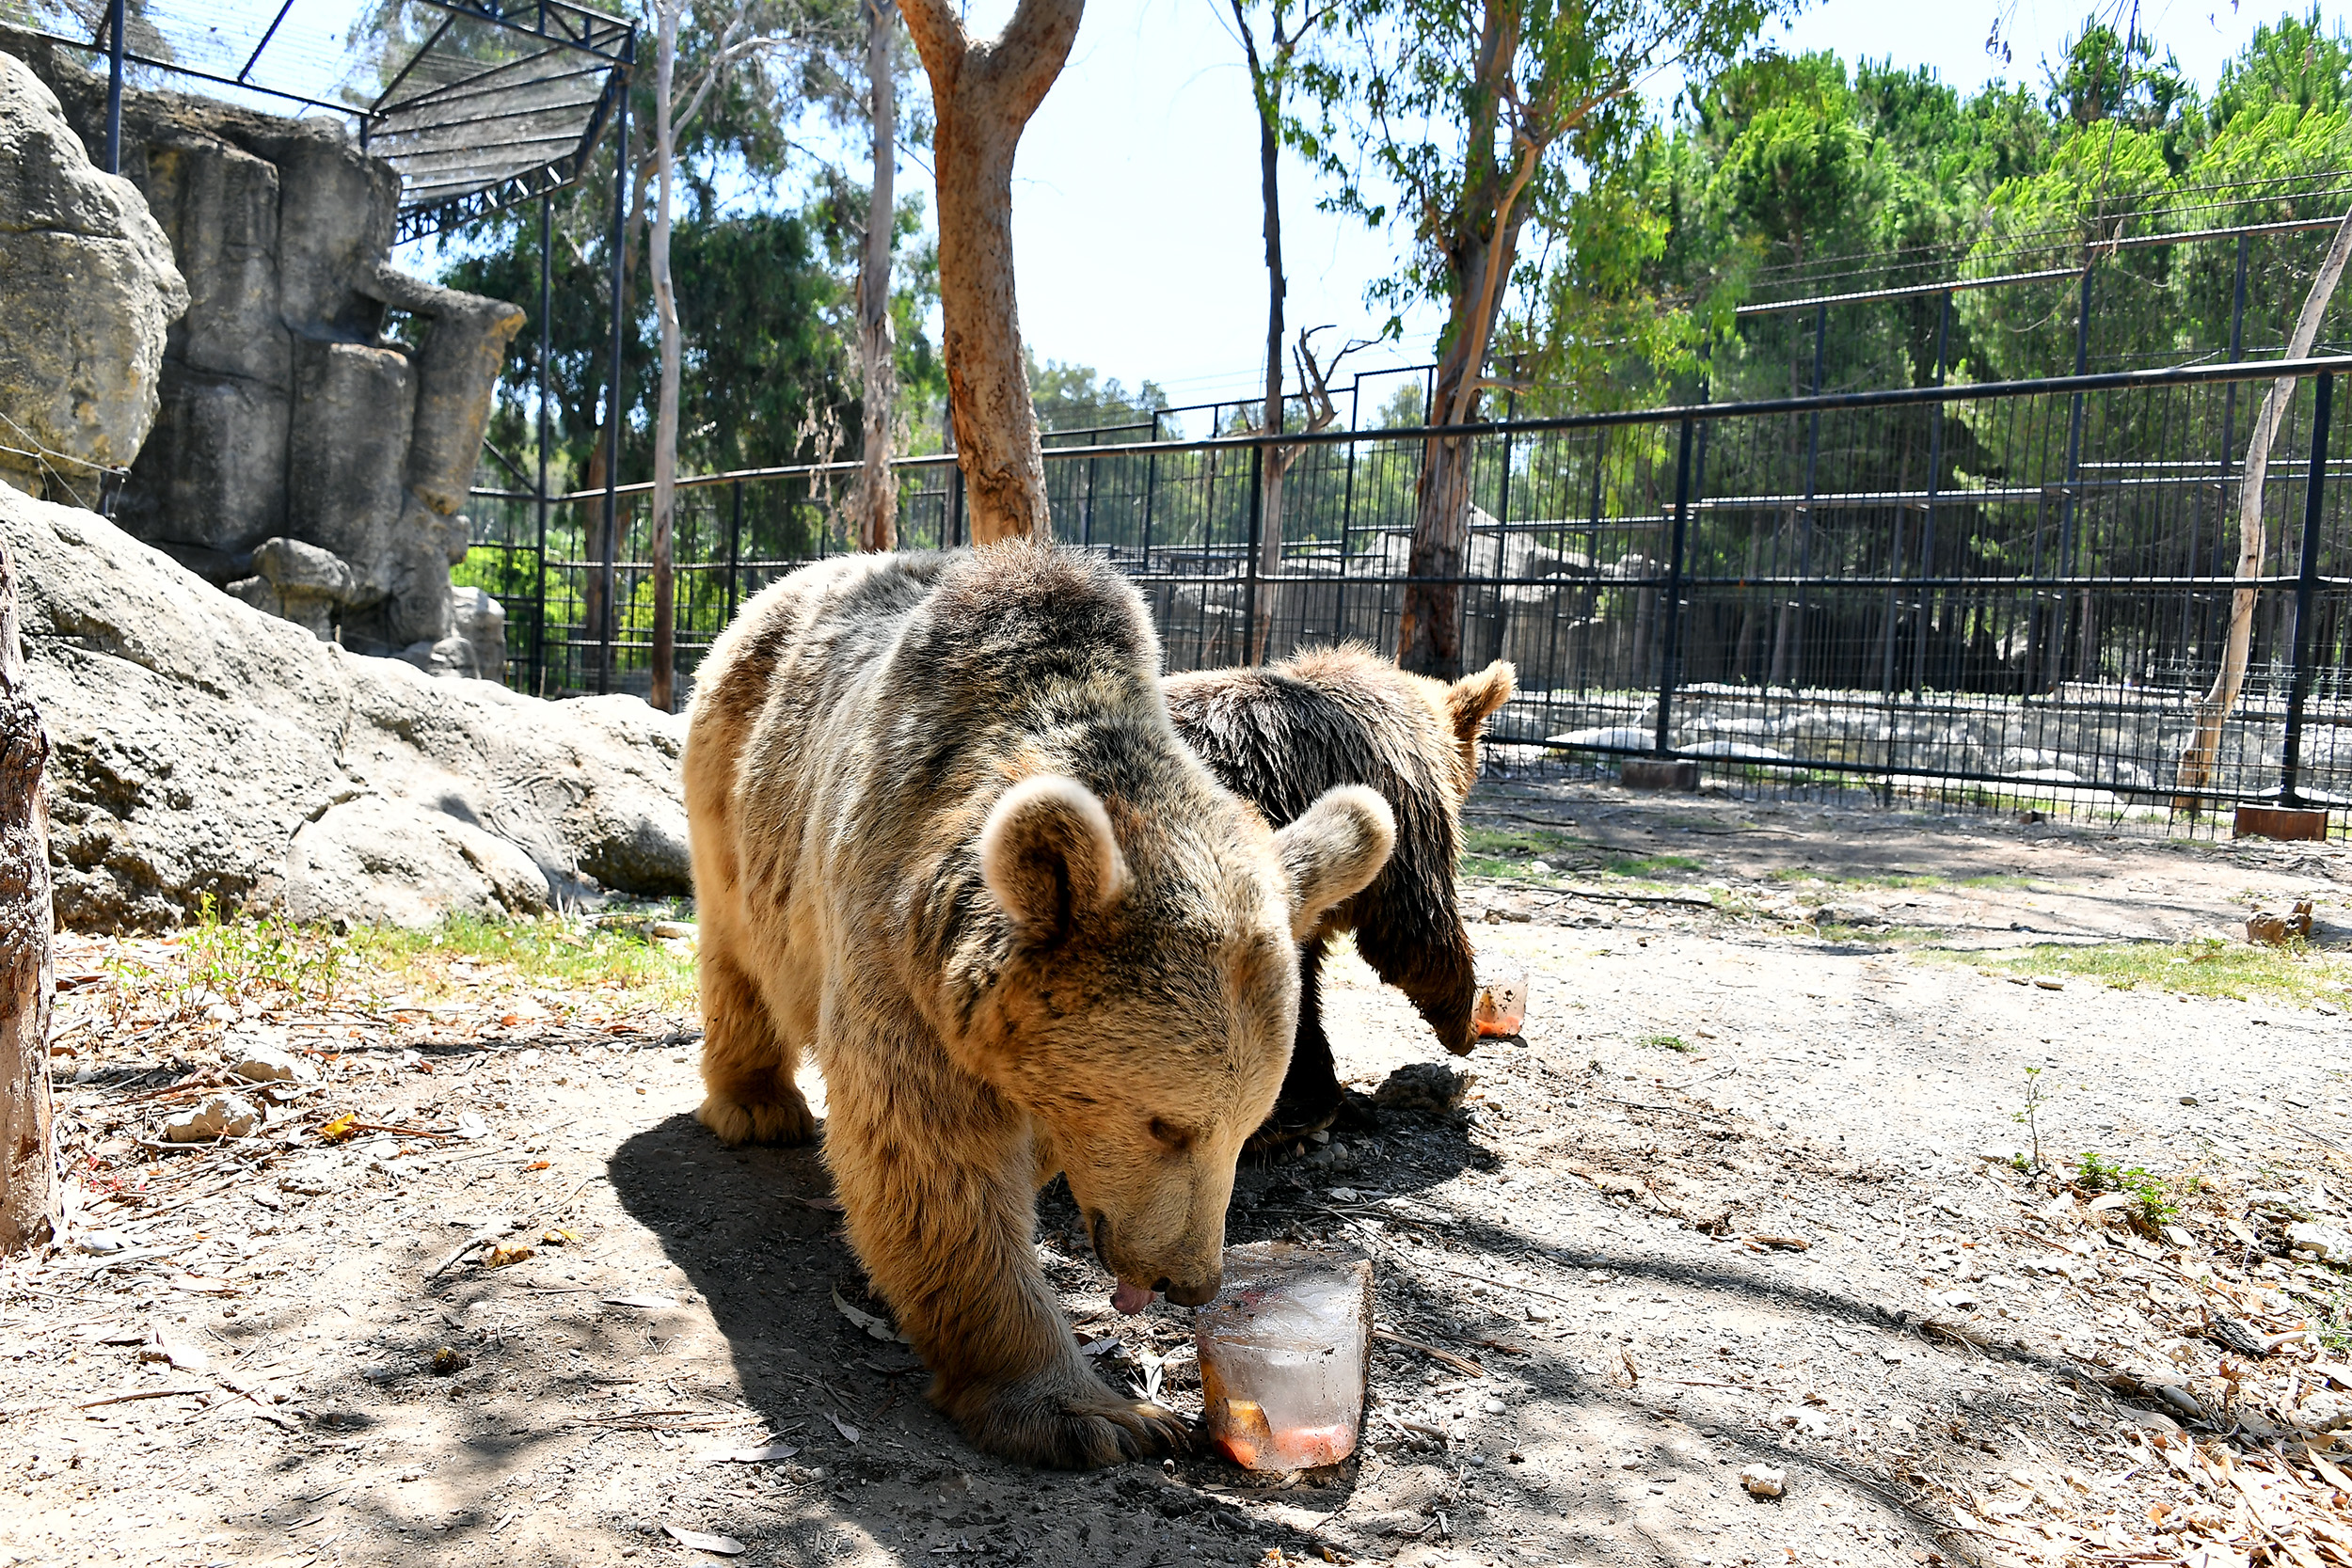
[767, 1122]
[1079, 1430]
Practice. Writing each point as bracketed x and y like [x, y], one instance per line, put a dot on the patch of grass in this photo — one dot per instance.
[561, 953]
[1667, 1042]
[2229, 971]
[1650, 865]
[1506, 842]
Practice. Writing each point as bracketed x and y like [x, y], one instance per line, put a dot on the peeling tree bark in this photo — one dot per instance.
[28, 1172]
[983, 91]
[877, 517]
[2204, 746]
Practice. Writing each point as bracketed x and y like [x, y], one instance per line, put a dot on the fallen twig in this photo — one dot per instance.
[1459, 1363]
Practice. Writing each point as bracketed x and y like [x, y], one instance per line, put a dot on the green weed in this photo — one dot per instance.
[1667, 1042]
[2154, 1202]
[559, 954]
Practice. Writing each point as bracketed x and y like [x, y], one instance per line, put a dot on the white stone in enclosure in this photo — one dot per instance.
[268, 1064]
[203, 746]
[222, 1116]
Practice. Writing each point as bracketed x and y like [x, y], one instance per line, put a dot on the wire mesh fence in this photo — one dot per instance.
[2015, 591]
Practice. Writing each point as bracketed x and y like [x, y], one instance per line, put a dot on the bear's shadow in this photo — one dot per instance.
[756, 1232]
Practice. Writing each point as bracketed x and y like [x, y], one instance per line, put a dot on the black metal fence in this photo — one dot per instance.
[2012, 590]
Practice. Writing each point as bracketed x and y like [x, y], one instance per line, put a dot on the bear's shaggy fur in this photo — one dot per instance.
[1281, 737]
[944, 836]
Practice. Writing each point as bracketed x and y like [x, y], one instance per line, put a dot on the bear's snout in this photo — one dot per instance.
[1197, 1293]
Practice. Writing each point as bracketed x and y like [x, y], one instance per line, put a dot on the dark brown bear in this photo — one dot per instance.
[1282, 735]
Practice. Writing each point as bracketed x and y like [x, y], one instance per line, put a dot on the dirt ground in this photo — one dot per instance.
[1743, 1195]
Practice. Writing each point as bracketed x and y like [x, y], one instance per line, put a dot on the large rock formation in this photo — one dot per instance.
[312, 394]
[86, 291]
[204, 746]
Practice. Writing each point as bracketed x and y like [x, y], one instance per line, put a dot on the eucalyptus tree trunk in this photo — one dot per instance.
[1482, 246]
[29, 1170]
[663, 692]
[2204, 746]
[878, 519]
[983, 91]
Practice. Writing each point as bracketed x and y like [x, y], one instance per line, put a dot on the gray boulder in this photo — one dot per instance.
[204, 746]
[91, 291]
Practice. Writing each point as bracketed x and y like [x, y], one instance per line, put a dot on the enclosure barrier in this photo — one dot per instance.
[2017, 591]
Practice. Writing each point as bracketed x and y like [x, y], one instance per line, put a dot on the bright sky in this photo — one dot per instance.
[1135, 213]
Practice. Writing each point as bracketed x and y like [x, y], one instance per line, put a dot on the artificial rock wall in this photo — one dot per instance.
[321, 412]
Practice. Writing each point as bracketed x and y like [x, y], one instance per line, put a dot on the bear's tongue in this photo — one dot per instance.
[1130, 1299]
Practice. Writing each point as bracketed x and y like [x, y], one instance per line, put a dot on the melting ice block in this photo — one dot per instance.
[1284, 1351]
[1501, 1005]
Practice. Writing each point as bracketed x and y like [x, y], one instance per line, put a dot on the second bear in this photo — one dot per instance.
[945, 837]
[1281, 737]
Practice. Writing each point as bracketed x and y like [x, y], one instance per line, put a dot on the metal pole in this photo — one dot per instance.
[1670, 656]
[1927, 527]
[115, 10]
[735, 549]
[2306, 590]
[1151, 486]
[2073, 476]
[612, 394]
[1804, 515]
[547, 342]
[1257, 524]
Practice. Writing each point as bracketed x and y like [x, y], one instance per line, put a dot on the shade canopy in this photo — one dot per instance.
[477, 103]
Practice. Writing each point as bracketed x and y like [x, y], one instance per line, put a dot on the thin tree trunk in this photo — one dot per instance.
[2205, 747]
[1274, 464]
[1481, 253]
[662, 692]
[28, 1171]
[983, 91]
[878, 517]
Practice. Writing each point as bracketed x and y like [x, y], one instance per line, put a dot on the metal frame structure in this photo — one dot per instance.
[501, 101]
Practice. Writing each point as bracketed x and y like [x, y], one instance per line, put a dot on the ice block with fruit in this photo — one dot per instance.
[1284, 1352]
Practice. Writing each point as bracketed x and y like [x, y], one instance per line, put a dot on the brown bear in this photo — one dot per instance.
[1282, 735]
[944, 836]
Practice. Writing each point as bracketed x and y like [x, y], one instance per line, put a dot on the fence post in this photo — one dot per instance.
[735, 549]
[1257, 524]
[539, 568]
[2068, 508]
[116, 12]
[1670, 650]
[2306, 590]
[613, 385]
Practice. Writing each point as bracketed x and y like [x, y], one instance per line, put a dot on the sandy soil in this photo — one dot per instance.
[1725, 1205]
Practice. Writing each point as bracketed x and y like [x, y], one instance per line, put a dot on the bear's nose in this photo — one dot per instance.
[1199, 1292]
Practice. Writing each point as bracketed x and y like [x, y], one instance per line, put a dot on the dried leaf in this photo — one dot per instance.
[501, 1255]
[875, 1327]
[849, 1432]
[702, 1541]
[341, 1128]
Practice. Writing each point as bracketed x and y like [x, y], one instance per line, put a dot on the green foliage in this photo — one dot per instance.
[1667, 1042]
[1072, 396]
[2153, 1201]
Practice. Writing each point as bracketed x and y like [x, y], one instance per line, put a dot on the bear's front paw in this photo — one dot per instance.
[773, 1121]
[1069, 1428]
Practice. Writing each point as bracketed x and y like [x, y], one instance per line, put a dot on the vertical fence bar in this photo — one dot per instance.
[1257, 526]
[547, 342]
[1670, 646]
[116, 10]
[2306, 593]
[1926, 524]
[2066, 502]
[611, 542]
[735, 551]
[1804, 514]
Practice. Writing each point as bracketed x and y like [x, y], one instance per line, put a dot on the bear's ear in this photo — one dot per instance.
[1048, 855]
[1333, 851]
[1473, 700]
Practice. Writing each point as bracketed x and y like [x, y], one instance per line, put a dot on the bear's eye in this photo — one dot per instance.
[1169, 1136]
